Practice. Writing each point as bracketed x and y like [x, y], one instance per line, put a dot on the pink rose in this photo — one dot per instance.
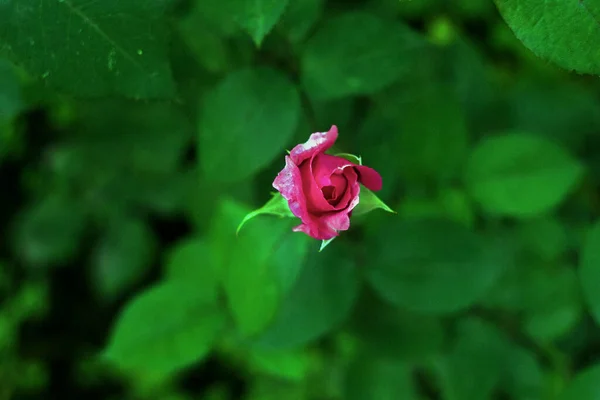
[321, 189]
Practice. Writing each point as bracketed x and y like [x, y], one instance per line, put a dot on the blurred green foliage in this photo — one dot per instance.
[135, 136]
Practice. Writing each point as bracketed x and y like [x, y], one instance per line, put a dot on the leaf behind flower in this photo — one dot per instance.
[276, 206]
[369, 202]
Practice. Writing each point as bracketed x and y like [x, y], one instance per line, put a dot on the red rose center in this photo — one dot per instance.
[328, 192]
[334, 192]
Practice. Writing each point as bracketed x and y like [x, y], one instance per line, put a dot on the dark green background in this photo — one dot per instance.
[135, 135]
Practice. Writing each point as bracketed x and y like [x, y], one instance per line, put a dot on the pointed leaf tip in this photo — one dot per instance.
[369, 202]
[276, 206]
[324, 243]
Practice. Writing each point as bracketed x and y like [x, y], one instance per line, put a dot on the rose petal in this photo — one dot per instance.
[351, 189]
[318, 142]
[339, 183]
[324, 165]
[315, 200]
[369, 177]
[329, 225]
[289, 183]
[326, 228]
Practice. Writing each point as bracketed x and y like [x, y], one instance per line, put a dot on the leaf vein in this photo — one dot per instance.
[102, 34]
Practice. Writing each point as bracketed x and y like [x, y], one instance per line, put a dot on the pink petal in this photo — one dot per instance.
[289, 183]
[329, 225]
[311, 230]
[315, 200]
[318, 142]
[326, 228]
[352, 189]
[324, 165]
[339, 183]
[369, 177]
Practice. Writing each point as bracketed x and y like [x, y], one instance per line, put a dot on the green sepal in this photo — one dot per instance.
[324, 243]
[277, 205]
[350, 157]
[369, 202]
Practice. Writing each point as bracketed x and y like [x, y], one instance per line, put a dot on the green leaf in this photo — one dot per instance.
[164, 329]
[520, 175]
[320, 300]
[547, 297]
[246, 121]
[589, 270]
[259, 265]
[11, 96]
[94, 48]
[145, 141]
[379, 378]
[122, 257]
[189, 260]
[584, 386]
[49, 232]
[421, 265]
[274, 389]
[208, 48]
[432, 139]
[389, 331]
[340, 60]
[290, 365]
[258, 17]
[277, 205]
[325, 243]
[32, 301]
[368, 201]
[216, 15]
[562, 32]
[553, 308]
[350, 157]
[575, 116]
[546, 238]
[483, 359]
[299, 18]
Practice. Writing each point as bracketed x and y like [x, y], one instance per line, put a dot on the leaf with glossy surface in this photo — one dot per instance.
[564, 32]
[189, 260]
[322, 297]
[90, 48]
[163, 329]
[520, 175]
[290, 365]
[368, 201]
[277, 206]
[259, 265]
[246, 121]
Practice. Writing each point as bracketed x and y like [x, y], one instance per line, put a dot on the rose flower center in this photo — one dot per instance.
[334, 192]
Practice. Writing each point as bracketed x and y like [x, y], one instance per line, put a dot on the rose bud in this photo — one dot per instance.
[323, 189]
